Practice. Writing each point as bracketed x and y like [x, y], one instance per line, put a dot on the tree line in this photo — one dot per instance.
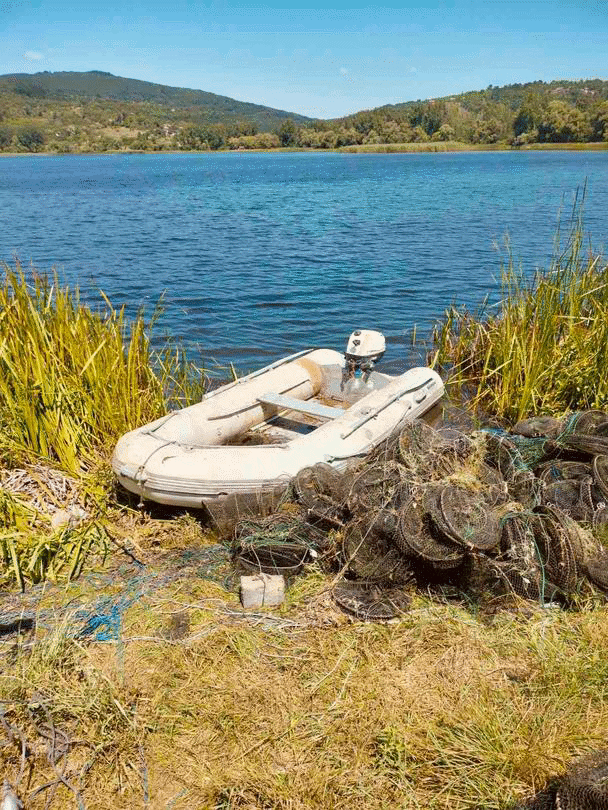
[574, 112]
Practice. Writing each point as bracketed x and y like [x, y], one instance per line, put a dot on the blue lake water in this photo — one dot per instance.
[262, 254]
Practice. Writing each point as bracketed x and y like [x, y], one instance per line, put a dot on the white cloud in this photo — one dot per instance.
[344, 71]
[413, 70]
[33, 56]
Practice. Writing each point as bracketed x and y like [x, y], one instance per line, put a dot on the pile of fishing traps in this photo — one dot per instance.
[488, 512]
[584, 786]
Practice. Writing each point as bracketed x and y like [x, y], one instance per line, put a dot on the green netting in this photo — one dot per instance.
[488, 511]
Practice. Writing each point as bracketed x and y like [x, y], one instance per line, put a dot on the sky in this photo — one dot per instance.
[317, 61]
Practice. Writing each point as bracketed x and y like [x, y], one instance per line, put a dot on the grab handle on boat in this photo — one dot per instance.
[385, 405]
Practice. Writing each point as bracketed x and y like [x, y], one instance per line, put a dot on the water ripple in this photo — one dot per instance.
[262, 254]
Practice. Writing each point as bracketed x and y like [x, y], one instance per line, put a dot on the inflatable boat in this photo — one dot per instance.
[249, 438]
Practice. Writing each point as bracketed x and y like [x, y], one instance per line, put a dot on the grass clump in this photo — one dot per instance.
[545, 348]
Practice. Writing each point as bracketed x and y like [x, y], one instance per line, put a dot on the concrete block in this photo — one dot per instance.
[262, 590]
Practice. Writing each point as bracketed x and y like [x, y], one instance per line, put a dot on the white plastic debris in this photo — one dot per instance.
[10, 800]
[70, 517]
[262, 590]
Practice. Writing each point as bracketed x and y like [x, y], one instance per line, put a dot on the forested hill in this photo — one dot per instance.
[95, 85]
[537, 112]
[99, 112]
[580, 92]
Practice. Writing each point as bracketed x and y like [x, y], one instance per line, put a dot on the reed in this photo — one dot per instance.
[73, 380]
[544, 347]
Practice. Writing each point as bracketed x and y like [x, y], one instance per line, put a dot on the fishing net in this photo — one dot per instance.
[584, 786]
[520, 568]
[320, 480]
[510, 579]
[488, 512]
[544, 800]
[373, 487]
[563, 494]
[370, 555]
[555, 470]
[585, 422]
[427, 455]
[493, 488]
[511, 453]
[524, 488]
[600, 473]
[468, 519]
[370, 602]
[415, 536]
[553, 538]
[279, 544]
[585, 443]
[322, 490]
[599, 522]
[537, 426]
[596, 568]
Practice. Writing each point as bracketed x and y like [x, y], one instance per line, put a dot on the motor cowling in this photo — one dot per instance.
[365, 347]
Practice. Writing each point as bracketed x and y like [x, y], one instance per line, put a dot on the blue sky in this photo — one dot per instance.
[318, 61]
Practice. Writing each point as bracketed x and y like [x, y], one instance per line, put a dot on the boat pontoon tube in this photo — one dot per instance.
[180, 459]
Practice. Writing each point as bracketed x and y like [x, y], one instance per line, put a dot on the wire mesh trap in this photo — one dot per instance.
[278, 544]
[488, 511]
[545, 426]
[369, 555]
[419, 533]
[370, 603]
[584, 786]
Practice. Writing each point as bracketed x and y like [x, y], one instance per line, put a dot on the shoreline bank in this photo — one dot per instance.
[365, 149]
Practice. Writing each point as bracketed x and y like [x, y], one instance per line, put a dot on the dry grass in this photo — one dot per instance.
[426, 146]
[308, 710]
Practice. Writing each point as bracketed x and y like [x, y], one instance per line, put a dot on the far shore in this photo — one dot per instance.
[364, 149]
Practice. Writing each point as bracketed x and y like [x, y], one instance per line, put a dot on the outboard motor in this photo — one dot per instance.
[365, 347]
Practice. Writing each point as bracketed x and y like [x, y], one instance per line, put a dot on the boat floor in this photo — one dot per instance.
[284, 427]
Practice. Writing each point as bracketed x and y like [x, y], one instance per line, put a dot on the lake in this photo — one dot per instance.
[263, 254]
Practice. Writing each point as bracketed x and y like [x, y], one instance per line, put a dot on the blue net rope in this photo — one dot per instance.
[103, 618]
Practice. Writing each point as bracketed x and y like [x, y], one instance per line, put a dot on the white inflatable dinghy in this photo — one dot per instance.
[252, 436]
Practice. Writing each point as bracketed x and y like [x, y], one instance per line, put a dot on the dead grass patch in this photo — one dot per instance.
[291, 710]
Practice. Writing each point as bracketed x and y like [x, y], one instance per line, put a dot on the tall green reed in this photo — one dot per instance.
[544, 347]
[73, 380]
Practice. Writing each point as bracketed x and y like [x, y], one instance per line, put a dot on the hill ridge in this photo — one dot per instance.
[102, 85]
[71, 111]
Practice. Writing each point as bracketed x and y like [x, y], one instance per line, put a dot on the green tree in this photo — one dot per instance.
[287, 133]
[196, 137]
[599, 122]
[530, 114]
[563, 123]
[419, 135]
[32, 140]
[6, 137]
[444, 133]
